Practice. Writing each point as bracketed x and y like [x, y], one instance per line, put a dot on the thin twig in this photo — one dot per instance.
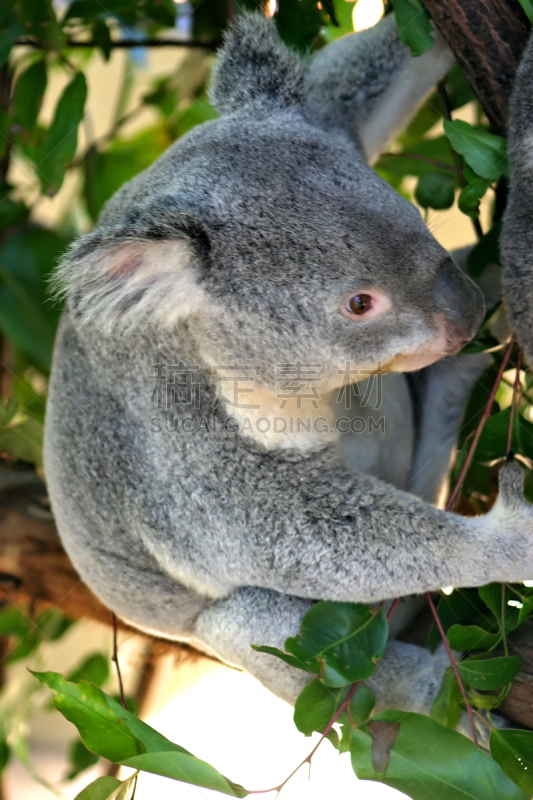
[123, 43]
[454, 666]
[425, 159]
[114, 658]
[502, 623]
[486, 414]
[516, 388]
[307, 759]
[392, 609]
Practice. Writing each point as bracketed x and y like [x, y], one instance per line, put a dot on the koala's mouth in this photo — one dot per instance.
[447, 342]
[410, 363]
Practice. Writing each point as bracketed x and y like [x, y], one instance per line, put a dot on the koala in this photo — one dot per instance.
[260, 241]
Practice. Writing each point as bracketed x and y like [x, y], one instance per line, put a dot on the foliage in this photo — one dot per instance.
[439, 160]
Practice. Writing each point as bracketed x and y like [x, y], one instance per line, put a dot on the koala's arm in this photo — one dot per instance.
[369, 85]
[517, 234]
[315, 531]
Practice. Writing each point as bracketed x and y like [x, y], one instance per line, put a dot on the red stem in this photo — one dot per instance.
[516, 388]
[486, 414]
[307, 759]
[454, 666]
[392, 609]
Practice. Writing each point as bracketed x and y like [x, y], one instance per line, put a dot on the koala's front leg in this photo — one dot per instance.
[356, 539]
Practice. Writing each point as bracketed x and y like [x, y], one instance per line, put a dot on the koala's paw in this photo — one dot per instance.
[511, 523]
[511, 481]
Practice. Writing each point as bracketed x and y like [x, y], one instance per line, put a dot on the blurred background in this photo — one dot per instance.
[75, 123]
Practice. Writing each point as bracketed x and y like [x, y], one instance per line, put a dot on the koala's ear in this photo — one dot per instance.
[110, 283]
[254, 66]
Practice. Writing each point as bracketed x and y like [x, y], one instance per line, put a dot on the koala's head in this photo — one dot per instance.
[270, 240]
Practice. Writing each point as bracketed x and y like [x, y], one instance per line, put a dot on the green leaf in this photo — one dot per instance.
[94, 668]
[53, 624]
[101, 789]
[426, 156]
[485, 701]
[414, 26]
[348, 639]
[39, 21]
[463, 606]
[23, 441]
[9, 31]
[59, 145]
[14, 622]
[359, 710]
[492, 443]
[513, 750]
[11, 212]
[315, 707]
[427, 761]
[127, 790]
[471, 637]
[344, 17]
[527, 5]
[109, 730]
[490, 673]
[496, 597]
[27, 317]
[80, 759]
[446, 707]
[28, 95]
[106, 172]
[162, 12]
[102, 37]
[314, 669]
[298, 22]
[472, 193]
[459, 90]
[199, 111]
[5, 753]
[435, 190]
[484, 152]
[209, 19]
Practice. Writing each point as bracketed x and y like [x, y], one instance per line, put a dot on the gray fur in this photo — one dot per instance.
[237, 248]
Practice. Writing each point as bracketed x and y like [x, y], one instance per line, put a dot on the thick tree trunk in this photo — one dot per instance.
[487, 38]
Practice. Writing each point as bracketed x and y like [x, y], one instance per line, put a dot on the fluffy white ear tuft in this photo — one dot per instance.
[131, 284]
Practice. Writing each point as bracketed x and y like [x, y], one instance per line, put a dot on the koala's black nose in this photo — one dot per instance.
[457, 296]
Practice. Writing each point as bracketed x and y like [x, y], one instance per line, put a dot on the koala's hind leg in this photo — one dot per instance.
[440, 394]
[407, 677]
[256, 616]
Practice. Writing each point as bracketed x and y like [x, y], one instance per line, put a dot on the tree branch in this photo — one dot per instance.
[487, 38]
[129, 44]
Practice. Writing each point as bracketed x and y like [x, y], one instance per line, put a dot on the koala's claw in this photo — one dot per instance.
[511, 480]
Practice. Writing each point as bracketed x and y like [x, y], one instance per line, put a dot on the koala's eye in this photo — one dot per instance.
[359, 304]
[365, 305]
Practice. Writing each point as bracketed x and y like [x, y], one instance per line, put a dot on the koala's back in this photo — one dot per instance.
[96, 463]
